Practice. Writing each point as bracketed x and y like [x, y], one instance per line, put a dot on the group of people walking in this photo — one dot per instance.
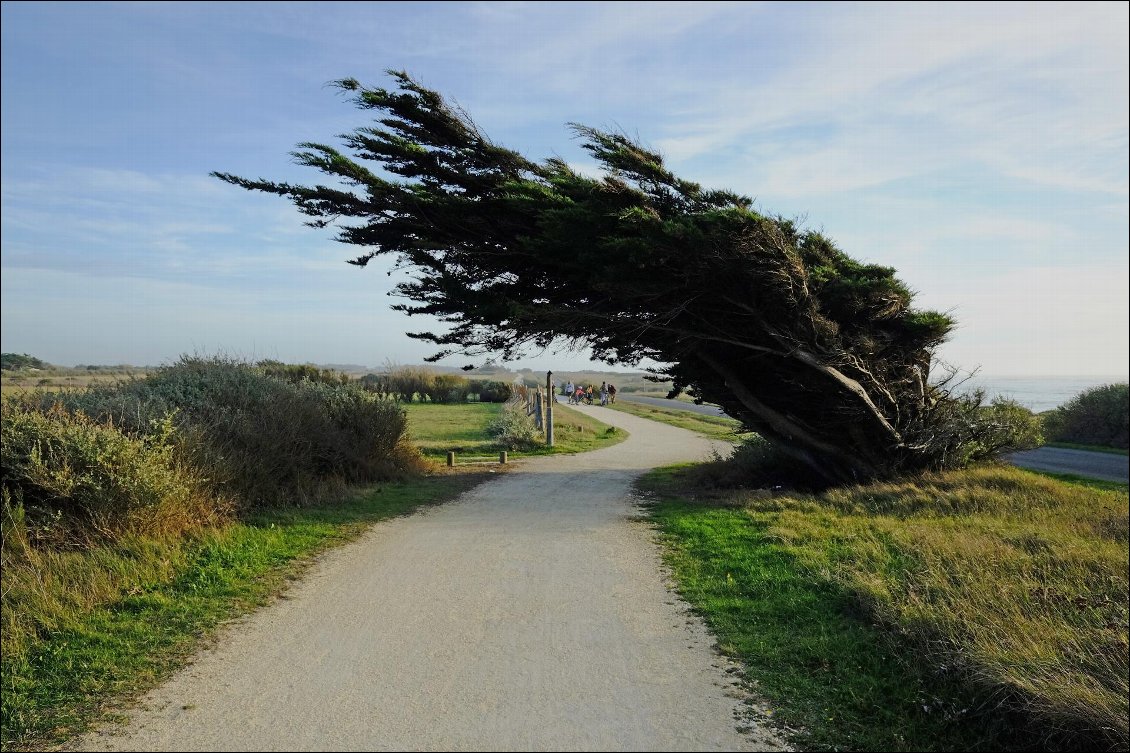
[577, 393]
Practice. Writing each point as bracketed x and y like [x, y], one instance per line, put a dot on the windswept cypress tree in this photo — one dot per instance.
[821, 354]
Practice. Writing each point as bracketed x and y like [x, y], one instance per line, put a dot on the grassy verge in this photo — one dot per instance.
[171, 595]
[1089, 447]
[662, 394]
[438, 429]
[717, 427]
[977, 610]
[1087, 481]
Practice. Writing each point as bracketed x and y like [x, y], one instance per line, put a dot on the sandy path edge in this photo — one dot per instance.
[533, 613]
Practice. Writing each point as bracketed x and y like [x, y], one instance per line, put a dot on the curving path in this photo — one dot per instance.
[530, 614]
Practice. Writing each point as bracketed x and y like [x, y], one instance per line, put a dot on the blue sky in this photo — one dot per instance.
[980, 149]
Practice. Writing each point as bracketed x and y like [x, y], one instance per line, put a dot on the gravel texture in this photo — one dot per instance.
[533, 613]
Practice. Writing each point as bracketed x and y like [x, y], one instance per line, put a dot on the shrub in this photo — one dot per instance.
[265, 440]
[1099, 416]
[490, 391]
[18, 361]
[379, 384]
[980, 432]
[406, 383]
[1003, 426]
[70, 482]
[514, 429]
[289, 372]
[448, 388]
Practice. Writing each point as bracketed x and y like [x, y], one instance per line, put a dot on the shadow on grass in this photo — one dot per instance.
[832, 677]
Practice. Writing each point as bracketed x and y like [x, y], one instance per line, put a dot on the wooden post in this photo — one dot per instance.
[502, 457]
[549, 409]
[537, 410]
[450, 459]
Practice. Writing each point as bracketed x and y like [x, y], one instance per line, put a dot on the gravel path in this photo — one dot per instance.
[531, 614]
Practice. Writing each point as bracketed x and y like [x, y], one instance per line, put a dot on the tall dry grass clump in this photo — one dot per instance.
[73, 491]
[73, 482]
[1016, 581]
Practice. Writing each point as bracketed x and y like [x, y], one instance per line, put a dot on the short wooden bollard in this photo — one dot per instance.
[502, 457]
[450, 459]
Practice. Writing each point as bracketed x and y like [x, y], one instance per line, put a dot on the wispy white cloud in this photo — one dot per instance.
[1040, 320]
[1035, 93]
[967, 144]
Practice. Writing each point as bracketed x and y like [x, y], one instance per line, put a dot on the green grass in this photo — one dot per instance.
[717, 427]
[70, 664]
[977, 610]
[438, 429]
[1089, 447]
[1092, 483]
[662, 394]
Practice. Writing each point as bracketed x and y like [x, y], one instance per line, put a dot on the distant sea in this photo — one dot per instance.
[1038, 393]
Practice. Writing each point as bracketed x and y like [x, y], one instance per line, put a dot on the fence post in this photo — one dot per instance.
[537, 410]
[502, 457]
[549, 409]
[450, 459]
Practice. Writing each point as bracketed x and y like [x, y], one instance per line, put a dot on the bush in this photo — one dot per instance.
[1003, 426]
[448, 388]
[289, 372]
[262, 439]
[70, 482]
[490, 391]
[1098, 416]
[980, 432]
[514, 429]
[406, 383]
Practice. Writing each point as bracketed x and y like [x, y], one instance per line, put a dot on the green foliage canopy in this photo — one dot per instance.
[820, 353]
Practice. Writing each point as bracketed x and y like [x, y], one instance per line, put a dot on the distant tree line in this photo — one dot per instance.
[20, 361]
[291, 372]
[407, 384]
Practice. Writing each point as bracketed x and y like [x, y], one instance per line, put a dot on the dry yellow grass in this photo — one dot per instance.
[1016, 579]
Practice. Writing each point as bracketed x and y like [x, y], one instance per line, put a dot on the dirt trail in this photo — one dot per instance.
[530, 614]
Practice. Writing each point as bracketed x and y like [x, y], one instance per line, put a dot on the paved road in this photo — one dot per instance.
[706, 410]
[530, 614]
[1100, 465]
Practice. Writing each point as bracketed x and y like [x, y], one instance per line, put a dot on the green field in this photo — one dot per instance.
[438, 429]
